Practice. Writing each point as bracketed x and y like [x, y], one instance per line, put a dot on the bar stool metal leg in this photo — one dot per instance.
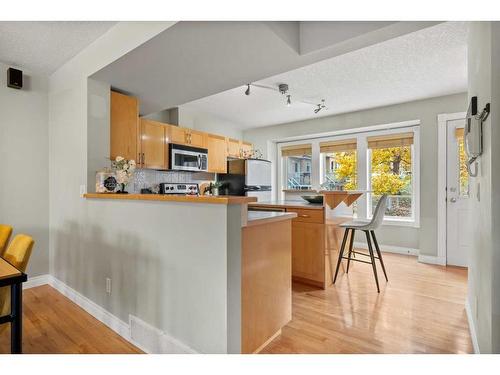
[341, 253]
[370, 249]
[16, 327]
[351, 242]
[379, 253]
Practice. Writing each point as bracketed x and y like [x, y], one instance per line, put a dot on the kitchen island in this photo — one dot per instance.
[209, 275]
[314, 236]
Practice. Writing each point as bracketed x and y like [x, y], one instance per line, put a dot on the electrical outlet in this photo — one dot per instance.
[108, 285]
[83, 190]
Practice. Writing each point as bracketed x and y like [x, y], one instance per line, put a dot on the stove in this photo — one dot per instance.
[179, 189]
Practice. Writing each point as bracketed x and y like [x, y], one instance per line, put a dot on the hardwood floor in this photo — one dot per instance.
[420, 310]
[53, 324]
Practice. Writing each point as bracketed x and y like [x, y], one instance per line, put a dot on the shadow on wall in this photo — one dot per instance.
[84, 258]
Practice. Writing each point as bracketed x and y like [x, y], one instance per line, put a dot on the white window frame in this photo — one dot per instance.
[363, 164]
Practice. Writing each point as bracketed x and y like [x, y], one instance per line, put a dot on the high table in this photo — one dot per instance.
[11, 276]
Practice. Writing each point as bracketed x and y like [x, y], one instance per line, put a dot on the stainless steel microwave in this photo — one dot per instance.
[187, 158]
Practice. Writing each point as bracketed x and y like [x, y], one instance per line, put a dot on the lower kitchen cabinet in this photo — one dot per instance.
[308, 252]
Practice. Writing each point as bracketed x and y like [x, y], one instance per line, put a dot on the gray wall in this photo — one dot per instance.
[484, 264]
[425, 237]
[24, 167]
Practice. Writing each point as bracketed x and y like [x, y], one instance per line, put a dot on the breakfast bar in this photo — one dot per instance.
[234, 265]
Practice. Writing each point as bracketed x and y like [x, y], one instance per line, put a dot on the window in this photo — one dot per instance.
[463, 182]
[391, 172]
[297, 162]
[339, 159]
[383, 159]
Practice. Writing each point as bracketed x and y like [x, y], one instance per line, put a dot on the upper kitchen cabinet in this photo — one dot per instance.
[246, 147]
[233, 148]
[185, 136]
[153, 148]
[124, 126]
[216, 145]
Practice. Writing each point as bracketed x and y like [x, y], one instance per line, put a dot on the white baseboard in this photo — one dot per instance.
[431, 259]
[152, 340]
[472, 327]
[36, 281]
[389, 249]
[146, 337]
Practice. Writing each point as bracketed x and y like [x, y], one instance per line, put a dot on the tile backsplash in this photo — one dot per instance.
[147, 178]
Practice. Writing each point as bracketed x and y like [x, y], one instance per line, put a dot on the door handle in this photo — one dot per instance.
[453, 200]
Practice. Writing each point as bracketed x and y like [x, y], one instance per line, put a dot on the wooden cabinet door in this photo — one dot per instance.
[246, 147]
[233, 147]
[153, 145]
[308, 251]
[216, 145]
[197, 138]
[124, 126]
[177, 135]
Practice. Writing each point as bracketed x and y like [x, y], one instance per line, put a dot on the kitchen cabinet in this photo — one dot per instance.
[233, 148]
[185, 136]
[217, 154]
[246, 147]
[308, 252]
[152, 144]
[124, 121]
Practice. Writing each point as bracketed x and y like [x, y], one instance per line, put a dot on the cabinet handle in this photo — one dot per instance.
[143, 159]
[304, 215]
[139, 159]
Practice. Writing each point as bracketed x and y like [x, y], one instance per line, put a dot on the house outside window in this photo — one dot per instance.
[297, 161]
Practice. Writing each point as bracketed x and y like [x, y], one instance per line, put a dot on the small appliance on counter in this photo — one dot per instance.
[250, 177]
[187, 158]
[179, 189]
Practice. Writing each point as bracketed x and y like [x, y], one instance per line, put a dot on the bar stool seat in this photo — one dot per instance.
[369, 227]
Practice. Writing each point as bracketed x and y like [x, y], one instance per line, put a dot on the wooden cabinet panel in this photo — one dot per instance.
[308, 215]
[124, 126]
[233, 147]
[308, 252]
[153, 146]
[216, 145]
[177, 135]
[266, 287]
[197, 138]
[246, 147]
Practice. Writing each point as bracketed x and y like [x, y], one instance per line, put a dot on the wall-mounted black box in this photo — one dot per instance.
[14, 78]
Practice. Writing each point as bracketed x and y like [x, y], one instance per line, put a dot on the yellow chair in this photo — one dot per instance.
[18, 254]
[5, 232]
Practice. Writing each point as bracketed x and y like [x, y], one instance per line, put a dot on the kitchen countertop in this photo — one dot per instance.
[174, 198]
[287, 204]
[264, 217]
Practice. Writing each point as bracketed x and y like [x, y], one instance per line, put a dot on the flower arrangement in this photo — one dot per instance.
[124, 171]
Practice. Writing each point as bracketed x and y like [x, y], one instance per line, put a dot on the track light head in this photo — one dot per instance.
[320, 106]
[288, 101]
[283, 88]
[247, 91]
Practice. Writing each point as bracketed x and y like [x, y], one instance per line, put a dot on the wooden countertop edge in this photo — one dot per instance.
[272, 219]
[287, 205]
[173, 198]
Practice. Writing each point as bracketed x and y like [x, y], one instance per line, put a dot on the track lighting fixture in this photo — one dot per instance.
[320, 106]
[247, 91]
[288, 101]
[283, 88]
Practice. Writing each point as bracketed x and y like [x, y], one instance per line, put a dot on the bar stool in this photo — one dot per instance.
[369, 229]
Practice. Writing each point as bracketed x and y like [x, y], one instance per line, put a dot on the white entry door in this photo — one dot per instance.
[458, 231]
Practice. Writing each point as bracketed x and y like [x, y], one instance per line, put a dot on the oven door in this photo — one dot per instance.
[183, 158]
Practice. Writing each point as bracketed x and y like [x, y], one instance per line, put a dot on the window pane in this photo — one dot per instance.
[391, 173]
[298, 172]
[340, 170]
[463, 175]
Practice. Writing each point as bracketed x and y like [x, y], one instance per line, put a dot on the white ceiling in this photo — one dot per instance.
[426, 63]
[42, 47]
